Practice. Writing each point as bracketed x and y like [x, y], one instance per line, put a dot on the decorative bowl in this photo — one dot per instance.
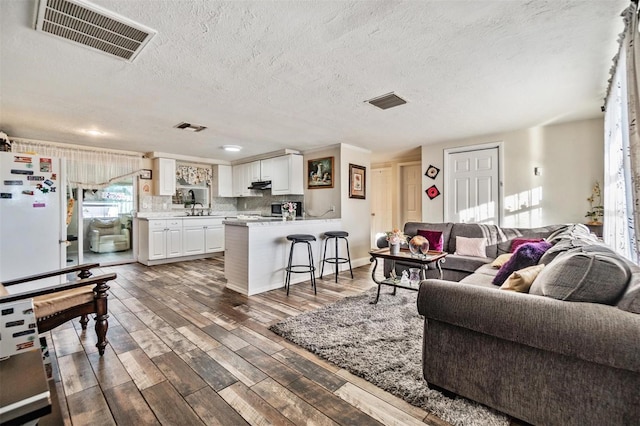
[418, 246]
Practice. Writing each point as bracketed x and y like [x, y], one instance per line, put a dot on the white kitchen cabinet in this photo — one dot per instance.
[266, 169]
[287, 175]
[165, 179]
[160, 239]
[202, 235]
[255, 172]
[214, 238]
[243, 176]
[222, 181]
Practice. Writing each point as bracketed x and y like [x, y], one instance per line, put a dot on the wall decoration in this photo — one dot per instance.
[432, 172]
[320, 173]
[145, 174]
[432, 192]
[357, 182]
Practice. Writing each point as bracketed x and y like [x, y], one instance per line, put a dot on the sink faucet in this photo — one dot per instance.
[193, 209]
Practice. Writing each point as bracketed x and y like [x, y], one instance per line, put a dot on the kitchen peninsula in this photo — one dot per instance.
[257, 251]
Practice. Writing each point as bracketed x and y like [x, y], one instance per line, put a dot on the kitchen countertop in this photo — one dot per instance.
[274, 221]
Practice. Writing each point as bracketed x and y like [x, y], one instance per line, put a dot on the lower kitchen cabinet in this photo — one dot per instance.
[175, 239]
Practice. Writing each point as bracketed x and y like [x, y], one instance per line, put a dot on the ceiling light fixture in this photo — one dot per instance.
[231, 148]
[190, 127]
[387, 101]
[94, 132]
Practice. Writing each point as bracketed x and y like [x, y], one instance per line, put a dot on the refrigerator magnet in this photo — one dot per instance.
[13, 182]
[45, 165]
[52, 189]
[20, 159]
[35, 178]
[27, 192]
[48, 182]
[21, 172]
[38, 205]
[6, 195]
[54, 176]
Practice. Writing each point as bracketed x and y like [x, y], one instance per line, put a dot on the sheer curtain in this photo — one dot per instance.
[91, 169]
[622, 147]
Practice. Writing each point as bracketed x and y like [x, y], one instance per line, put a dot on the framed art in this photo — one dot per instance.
[357, 181]
[320, 173]
[432, 172]
[145, 174]
[432, 192]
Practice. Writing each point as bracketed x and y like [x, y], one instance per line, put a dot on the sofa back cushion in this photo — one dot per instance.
[589, 274]
[411, 228]
[630, 300]
[492, 234]
[509, 235]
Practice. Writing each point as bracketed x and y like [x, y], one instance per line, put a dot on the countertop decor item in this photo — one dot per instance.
[289, 211]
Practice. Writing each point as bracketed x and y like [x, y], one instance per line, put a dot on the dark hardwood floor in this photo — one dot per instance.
[184, 350]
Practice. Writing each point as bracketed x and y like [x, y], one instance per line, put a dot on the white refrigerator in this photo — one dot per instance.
[32, 223]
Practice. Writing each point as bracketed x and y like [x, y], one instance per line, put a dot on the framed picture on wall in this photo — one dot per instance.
[357, 181]
[320, 173]
[145, 174]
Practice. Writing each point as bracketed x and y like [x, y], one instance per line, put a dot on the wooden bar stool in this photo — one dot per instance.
[336, 260]
[298, 269]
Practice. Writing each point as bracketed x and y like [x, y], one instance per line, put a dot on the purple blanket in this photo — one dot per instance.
[526, 255]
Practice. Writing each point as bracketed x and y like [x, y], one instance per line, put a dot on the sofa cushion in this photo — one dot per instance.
[492, 234]
[501, 260]
[465, 263]
[475, 247]
[487, 269]
[526, 255]
[521, 280]
[630, 300]
[481, 280]
[595, 276]
[435, 238]
[411, 228]
[517, 242]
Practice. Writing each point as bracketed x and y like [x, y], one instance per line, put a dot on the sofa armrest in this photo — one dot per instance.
[593, 332]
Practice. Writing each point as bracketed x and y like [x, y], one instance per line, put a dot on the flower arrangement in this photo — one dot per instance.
[289, 207]
[396, 236]
[596, 211]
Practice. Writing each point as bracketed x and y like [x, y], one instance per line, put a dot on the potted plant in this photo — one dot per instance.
[395, 238]
[596, 211]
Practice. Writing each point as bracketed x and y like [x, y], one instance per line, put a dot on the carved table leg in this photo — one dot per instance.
[84, 320]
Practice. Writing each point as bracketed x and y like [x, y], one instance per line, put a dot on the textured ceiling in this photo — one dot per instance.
[269, 75]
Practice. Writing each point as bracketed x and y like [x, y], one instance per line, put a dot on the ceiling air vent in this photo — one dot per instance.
[387, 101]
[93, 26]
[190, 127]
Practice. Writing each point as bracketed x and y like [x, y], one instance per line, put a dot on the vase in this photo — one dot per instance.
[290, 216]
[394, 248]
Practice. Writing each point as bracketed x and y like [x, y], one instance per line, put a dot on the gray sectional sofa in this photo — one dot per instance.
[549, 356]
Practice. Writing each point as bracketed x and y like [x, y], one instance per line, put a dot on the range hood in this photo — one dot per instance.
[265, 184]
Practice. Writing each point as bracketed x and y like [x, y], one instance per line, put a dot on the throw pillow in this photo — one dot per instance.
[474, 247]
[527, 254]
[583, 276]
[521, 280]
[517, 242]
[436, 242]
[501, 260]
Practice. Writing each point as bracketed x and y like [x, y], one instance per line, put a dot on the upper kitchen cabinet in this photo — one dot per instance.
[243, 176]
[165, 182]
[255, 171]
[286, 175]
[222, 181]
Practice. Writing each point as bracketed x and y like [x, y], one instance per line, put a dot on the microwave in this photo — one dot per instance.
[276, 208]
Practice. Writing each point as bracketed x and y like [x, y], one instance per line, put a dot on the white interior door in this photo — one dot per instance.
[410, 193]
[472, 186]
[381, 202]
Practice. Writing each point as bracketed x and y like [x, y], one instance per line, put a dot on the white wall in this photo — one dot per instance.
[356, 213]
[571, 156]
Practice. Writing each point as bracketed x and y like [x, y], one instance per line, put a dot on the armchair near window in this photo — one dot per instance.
[108, 235]
[55, 305]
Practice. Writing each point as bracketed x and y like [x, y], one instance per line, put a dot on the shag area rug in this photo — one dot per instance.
[382, 344]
